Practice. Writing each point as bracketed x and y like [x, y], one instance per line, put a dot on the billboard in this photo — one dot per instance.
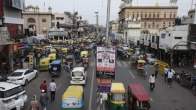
[18, 4]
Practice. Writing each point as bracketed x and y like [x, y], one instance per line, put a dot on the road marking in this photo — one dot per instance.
[132, 75]
[91, 91]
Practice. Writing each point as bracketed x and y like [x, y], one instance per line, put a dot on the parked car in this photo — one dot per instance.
[78, 76]
[22, 76]
[11, 96]
[188, 80]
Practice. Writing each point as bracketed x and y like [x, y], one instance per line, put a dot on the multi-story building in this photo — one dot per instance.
[64, 20]
[11, 27]
[36, 22]
[152, 17]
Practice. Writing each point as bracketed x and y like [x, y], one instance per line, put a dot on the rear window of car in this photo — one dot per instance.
[11, 92]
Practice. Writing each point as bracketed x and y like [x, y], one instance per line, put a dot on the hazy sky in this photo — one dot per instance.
[86, 8]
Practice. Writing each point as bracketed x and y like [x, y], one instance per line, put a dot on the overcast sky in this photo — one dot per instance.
[86, 8]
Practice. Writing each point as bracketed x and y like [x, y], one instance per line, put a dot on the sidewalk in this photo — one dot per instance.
[190, 70]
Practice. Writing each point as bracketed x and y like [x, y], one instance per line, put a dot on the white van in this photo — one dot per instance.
[78, 76]
[11, 96]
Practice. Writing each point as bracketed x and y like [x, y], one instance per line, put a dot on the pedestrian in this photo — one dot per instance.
[152, 81]
[165, 73]
[156, 70]
[170, 77]
[44, 100]
[145, 70]
[34, 103]
[52, 87]
[43, 86]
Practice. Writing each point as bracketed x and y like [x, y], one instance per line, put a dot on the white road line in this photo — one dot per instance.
[132, 75]
[91, 91]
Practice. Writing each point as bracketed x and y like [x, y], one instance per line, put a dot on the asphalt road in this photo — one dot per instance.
[62, 83]
[162, 98]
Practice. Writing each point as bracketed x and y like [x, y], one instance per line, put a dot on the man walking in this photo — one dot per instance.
[152, 82]
[52, 87]
[170, 77]
[34, 104]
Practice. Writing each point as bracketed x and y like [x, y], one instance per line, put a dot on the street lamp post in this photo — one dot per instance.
[107, 21]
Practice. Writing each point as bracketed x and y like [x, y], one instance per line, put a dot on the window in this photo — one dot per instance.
[43, 20]
[137, 15]
[178, 38]
[154, 15]
[169, 24]
[163, 35]
[149, 26]
[153, 38]
[174, 15]
[170, 15]
[165, 15]
[31, 20]
[153, 24]
[157, 15]
[141, 15]
[144, 24]
[149, 15]
[157, 26]
[145, 15]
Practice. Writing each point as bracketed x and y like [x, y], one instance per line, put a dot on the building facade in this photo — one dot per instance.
[36, 22]
[152, 17]
[64, 20]
[11, 29]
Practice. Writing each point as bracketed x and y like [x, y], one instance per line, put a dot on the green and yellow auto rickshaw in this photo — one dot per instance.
[44, 64]
[116, 98]
[52, 56]
[73, 98]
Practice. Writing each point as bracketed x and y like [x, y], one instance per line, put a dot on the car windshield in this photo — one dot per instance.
[77, 73]
[11, 92]
[17, 74]
[118, 97]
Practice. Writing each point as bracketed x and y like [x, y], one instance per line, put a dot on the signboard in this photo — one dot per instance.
[18, 4]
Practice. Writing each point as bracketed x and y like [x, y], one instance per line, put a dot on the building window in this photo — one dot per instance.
[174, 15]
[145, 15]
[144, 24]
[157, 26]
[153, 24]
[31, 20]
[43, 20]
[141, 15]
[157, 15]
[170, 15]
[149, 15]
[169, 24]
[154, 15]
[178, 38]
[137, 15]
[164, 15]
[164, 24]
[149, 26]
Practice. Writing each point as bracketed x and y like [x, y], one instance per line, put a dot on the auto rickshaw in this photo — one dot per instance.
[73, 98]
[161, 66]
[140, 64]
[84, 54]
[55, 68]
[52, 50]
[52, 56]
[69, 59]
[44, 64]
[64, 50]
[117, 97]
[138, 98]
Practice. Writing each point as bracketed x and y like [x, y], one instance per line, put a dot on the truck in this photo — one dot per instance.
[106, 62]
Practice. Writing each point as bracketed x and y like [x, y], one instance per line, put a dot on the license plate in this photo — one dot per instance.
[54, 68]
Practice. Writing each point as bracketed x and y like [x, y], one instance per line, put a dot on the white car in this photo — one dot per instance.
[22, 76]
[12, 96]
[78, 76]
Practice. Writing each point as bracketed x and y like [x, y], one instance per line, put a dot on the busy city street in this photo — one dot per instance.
[97, 55]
